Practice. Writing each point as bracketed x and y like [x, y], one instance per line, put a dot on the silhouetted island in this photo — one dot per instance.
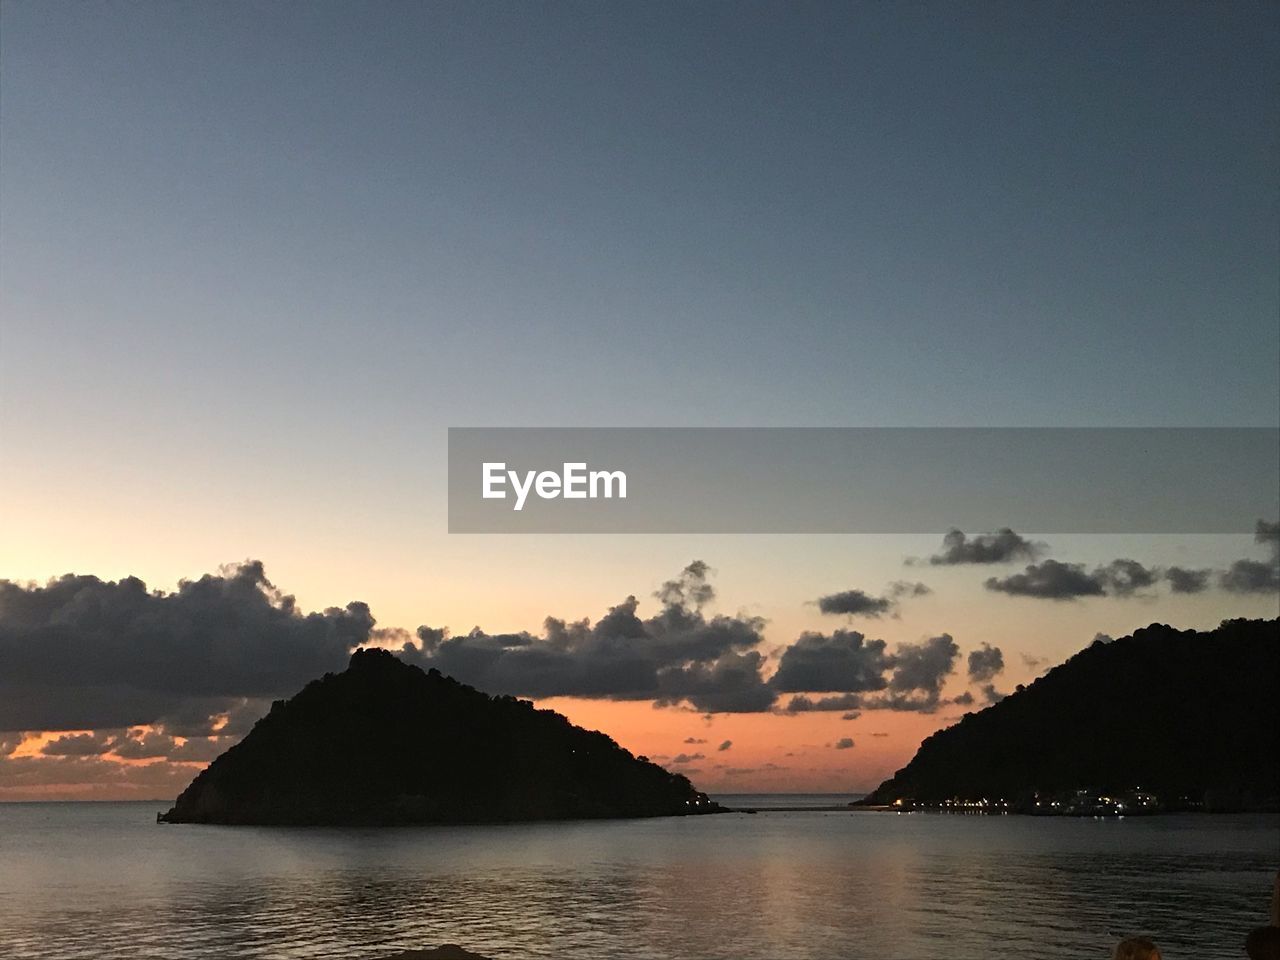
[1164, 719]
[385, 743]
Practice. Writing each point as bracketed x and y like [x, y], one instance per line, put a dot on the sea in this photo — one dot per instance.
[800, 878]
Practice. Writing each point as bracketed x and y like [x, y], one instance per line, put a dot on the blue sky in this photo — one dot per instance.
[415, 215]
[256, 257]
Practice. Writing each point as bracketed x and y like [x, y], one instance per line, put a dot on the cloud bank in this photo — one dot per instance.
[84, 653]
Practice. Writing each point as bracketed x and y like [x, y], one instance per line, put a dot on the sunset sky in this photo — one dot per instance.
[255, 259]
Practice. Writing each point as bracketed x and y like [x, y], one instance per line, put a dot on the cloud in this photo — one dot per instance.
[844, 743]
[1184, 580]
[82, 653]
[803, 704]
[691, 589]
[679, 655]
[924, 666]
[80, 745]
[985, 663]
[732, 683]
[1053, 580]
[1033, 663]
[863, 673]
[1124, 578]
[694, 740]
[919, 671]
[1049, 580]
[1250, 576]
[1256, 576]
[859, 603]
[725, 745]
[879, 734]
[687, 757]
[844, 661]
[1003, 546]
[855, 603]
[147, 746]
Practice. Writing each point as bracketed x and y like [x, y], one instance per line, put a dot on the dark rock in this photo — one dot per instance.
[385, 743]
[1192, 717]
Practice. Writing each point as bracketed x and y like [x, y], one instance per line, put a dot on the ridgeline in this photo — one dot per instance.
[385, 743]
[1191, 717]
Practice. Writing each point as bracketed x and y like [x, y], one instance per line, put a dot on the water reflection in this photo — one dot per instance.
[104, 881]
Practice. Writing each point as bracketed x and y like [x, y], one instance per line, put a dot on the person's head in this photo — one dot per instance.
[1136, 948]
[1263, 943]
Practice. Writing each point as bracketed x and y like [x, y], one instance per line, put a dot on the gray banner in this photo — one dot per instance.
[862, 480]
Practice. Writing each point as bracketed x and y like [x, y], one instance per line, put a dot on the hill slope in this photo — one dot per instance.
[383, 742]
[1176, 712]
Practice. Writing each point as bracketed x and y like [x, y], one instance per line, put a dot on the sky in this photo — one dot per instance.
[256, 258]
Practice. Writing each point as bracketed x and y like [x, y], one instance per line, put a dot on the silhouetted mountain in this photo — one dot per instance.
[385, 743]
[1176, 712]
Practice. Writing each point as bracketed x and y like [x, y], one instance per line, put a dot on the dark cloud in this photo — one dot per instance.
[83, 653]
[1124, 578]
[1003, 546]
[1184, 580]
[146, 746]
[907, 588]
[732, 683]
[851, 715]
[963, 700]
[691, 589]
[991, 695]
[803, 704]
[80, 745]
[865, 675]
[694, 740]
[844, 743]
[687, 757]
[677, 656]
[985, 663]
[1256, 576]
[919, 671]
[724, 745]
[924, 666]
[855, 603]
[1032, 663]
[1251, 576]
[859, 603]
[843, 662]
[1268, 534]
[1053, 580]
[1049, 580]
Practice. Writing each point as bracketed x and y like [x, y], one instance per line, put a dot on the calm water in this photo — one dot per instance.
[103, 881]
